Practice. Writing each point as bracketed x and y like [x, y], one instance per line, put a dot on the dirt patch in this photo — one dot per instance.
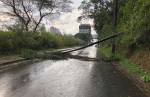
[142, 58]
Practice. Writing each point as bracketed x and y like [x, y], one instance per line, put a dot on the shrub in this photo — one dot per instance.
[14, 41]
[84, 36]
[28, 53]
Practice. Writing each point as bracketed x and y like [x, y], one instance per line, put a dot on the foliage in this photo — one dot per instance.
[133, 19]
[99, 10]
[28, 53]
[105, 52]
[14, 41]
[83, 36]
[124, 63]
[135, 70]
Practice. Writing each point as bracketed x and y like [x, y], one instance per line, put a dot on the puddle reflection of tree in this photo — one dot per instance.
[83, 58]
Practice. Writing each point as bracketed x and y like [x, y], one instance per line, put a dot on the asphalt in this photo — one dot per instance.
[67, 78]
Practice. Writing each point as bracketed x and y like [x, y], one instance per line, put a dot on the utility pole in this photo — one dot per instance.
[115, 18]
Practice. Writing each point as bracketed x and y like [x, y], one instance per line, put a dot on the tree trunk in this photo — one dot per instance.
[105, 39]
[115, 25]
[26, 27]
[36, 26]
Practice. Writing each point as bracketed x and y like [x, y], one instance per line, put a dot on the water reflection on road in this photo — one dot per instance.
[90, 52]
[66, 78]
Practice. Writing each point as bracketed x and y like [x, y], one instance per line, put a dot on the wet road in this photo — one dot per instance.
[67, 78]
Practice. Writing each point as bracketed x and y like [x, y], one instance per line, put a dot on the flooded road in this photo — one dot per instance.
[67, 78]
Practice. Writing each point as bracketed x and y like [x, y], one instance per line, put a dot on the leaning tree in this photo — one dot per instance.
[31, 13]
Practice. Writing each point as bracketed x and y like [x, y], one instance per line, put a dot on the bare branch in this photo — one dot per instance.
[26, 10]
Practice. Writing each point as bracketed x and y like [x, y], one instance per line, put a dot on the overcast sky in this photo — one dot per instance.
[67, 22]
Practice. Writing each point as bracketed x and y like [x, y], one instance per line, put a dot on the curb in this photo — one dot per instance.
[17, 63]
[14, 61]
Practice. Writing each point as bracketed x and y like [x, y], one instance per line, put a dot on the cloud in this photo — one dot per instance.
[68, 22]
[4, 18]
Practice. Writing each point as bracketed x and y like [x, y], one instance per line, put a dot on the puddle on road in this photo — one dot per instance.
[89, 52]
[50, 78]
[61, 78]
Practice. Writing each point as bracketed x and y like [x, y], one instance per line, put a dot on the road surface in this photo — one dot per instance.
[67, 78]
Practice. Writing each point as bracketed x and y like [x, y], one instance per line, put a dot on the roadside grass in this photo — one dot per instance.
[135, 70]
[28, 53]
[124, 63]
[106, 51]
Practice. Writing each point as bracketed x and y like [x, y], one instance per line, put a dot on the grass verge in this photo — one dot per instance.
[124, 63]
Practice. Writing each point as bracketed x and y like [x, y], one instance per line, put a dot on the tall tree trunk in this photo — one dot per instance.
[115, 25]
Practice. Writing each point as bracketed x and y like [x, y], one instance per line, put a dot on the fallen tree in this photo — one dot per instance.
[86, 46]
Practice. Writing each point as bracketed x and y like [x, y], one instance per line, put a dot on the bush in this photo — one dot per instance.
[71, 41]
[28, 53]
[134, 21]
[14, 41]
[6, 42]
[84, 36]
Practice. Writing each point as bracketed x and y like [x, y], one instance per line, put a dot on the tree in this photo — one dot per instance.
[99, 10]
[31, 12]
[84, 36]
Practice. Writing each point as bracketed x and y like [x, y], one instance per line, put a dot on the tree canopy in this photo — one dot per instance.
[132, 18]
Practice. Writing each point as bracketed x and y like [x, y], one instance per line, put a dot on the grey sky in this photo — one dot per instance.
[67, 22]
[77, 2]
